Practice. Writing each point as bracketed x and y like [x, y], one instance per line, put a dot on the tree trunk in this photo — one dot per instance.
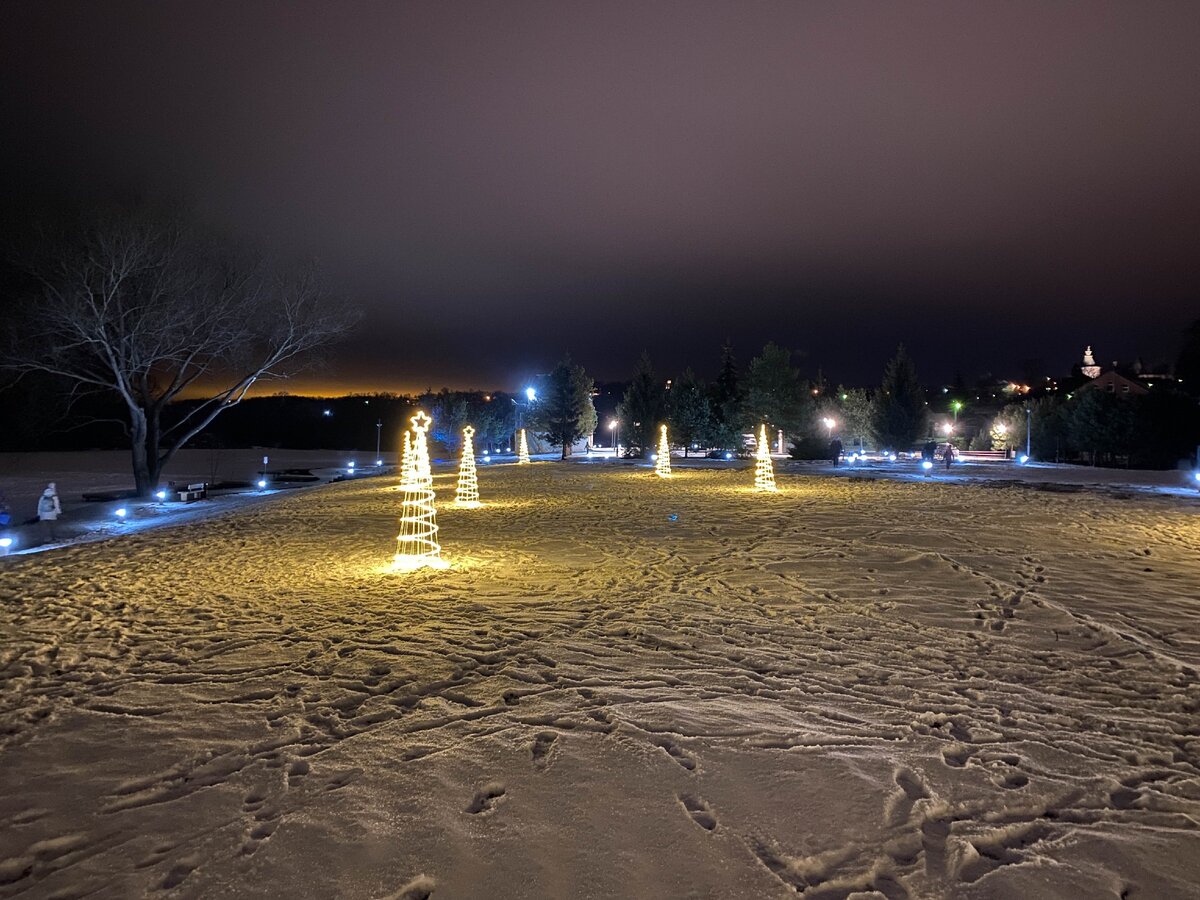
[143, 478]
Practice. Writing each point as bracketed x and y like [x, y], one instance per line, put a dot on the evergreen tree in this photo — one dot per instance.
[725, 404]
[898, 414]
[775, 393]
[643, 407]
[854, 407]
[1101, 425]
[690, 418]
[564, 412]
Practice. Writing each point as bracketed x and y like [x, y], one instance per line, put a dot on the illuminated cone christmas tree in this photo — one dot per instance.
[764, 472]
[417, 545]
[468, 484]
[522, 448]
[662, 465]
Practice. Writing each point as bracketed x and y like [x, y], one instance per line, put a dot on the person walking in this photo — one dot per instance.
[835, 451]
[949, 455]
[48, 510]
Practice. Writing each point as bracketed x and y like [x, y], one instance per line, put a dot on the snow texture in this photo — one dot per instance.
[625, 687]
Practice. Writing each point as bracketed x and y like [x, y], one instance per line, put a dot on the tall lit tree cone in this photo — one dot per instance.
[764, 471]
[467, 493]
[417, 544]
[662, 465]
[522, 448]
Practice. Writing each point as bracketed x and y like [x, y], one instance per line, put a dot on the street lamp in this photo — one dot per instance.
[378, 439]
[614, 434]
[1028, 430]
[948, 429]
[829, 423]
[530, 394]
[956, 406]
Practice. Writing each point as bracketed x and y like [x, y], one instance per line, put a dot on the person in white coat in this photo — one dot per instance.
[48, 510]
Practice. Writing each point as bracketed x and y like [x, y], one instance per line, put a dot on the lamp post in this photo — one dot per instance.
[1028, 430]
[828, 423]
[613, 435]
[378, 440]
[956, 406]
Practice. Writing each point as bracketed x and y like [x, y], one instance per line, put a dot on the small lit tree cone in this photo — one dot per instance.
[662, 464]
[764, 470]
[417, 544]
[467, 493]
[522, 449]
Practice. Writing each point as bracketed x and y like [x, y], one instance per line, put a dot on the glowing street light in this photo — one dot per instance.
[956, 405]
[613, 425]
[262, 483]
[530, 394]
[948, 429]
[829, 423]
[161, 495]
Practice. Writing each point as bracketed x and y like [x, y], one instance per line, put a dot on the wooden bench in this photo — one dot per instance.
[193, 492]
[982, 454]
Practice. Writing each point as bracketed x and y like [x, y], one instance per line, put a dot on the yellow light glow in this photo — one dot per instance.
[522, 449]
[662, 465]
[467, 493]
[406, 460]
[417, 545]
[764, 471]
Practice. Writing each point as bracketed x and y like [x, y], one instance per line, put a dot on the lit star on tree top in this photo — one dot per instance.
[469, 431]
[420, 421]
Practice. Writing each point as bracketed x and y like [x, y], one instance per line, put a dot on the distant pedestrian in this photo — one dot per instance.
[949, 455]
[48, 510]
[929, 451]
[835, 451]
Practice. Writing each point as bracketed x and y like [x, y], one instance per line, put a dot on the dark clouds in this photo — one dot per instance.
[496, 183]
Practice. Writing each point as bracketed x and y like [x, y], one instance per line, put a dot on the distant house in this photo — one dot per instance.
[1115, 383]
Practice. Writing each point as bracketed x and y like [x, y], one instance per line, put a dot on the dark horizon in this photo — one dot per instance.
[498, 185]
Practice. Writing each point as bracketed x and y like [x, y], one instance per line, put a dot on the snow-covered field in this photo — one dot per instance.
[623, 688]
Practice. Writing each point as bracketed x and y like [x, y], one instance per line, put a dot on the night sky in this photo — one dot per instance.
[990, 183]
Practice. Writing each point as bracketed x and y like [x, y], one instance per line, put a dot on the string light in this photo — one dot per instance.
[522, 449]
[764, 471]
[662, 465]
[467, 493]
[417, 545]
[406, 460]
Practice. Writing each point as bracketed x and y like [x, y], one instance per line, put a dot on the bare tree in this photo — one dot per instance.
[147, 308]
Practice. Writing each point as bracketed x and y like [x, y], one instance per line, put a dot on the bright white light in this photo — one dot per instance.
[161, 495]
[379, 462]
[828, 423]
[653, 457]
[262, 482]
[1001, 428]
[329, 412]
[1197, 476]
[1022, 459]
[729, 456]
[612, 424]
[892, 457]
[948, 428]
[5, 543]
[530, 394]
[926, 465]
[350, 465]
[122, 513]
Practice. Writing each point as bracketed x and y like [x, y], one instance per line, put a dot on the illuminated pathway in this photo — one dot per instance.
[625, 687]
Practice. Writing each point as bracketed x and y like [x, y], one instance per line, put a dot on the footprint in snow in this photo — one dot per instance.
[700, 812]
[485, 798]
[542, 745]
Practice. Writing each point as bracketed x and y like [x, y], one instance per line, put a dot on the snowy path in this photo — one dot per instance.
[920, 690]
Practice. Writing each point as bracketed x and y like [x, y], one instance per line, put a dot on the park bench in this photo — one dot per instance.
[193, 492]
[982, 454]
